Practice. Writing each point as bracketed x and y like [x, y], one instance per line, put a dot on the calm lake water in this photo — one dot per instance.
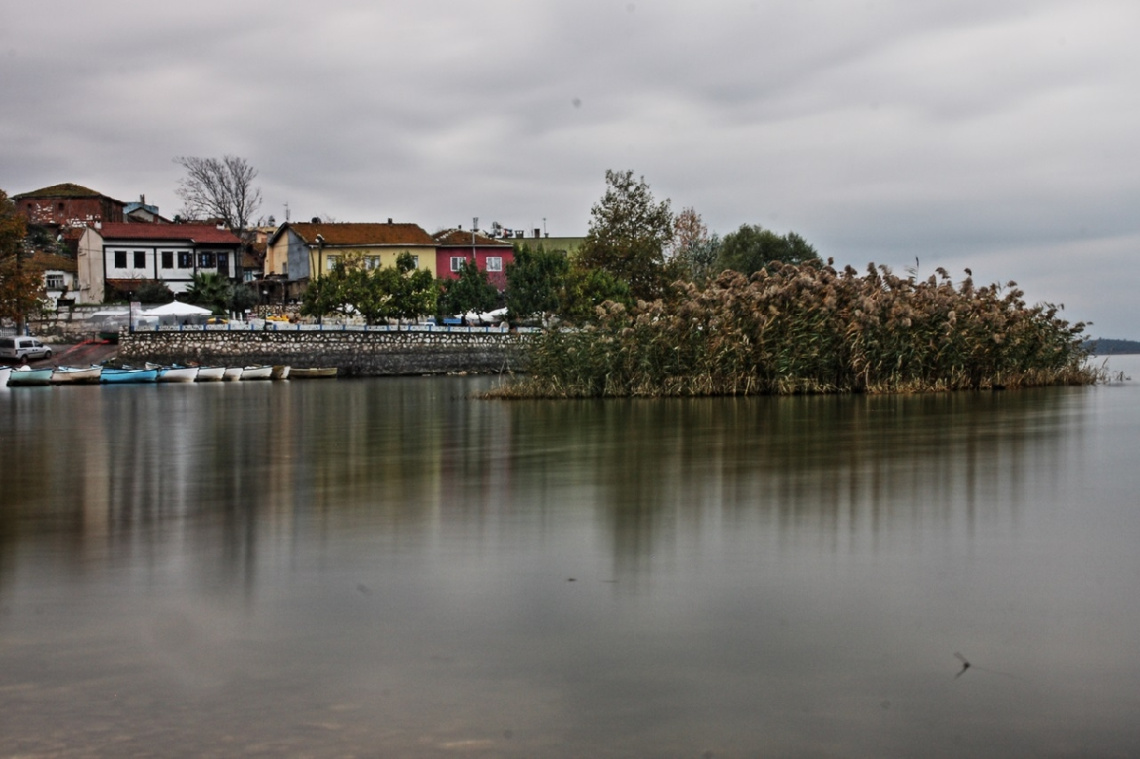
[386, 567]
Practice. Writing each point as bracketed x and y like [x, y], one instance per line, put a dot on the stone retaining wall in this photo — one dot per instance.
[363, 353]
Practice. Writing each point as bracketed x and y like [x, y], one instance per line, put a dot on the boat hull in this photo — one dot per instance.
[125, 376]
[29, 378]
[314, 373]
[211, 373]
[65, 375]
[233, 373]
[180, 374]
[257, 373]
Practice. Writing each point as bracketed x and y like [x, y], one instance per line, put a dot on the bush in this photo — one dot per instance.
[809, 328]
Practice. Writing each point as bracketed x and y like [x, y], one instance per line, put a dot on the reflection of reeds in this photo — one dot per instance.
[810, 329]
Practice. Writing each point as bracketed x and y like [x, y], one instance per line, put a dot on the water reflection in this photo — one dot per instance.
[337, 568]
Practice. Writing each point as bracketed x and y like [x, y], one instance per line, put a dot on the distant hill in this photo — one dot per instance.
[1104, 346]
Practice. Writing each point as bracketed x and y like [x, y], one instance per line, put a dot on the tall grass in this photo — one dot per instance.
[810, 329]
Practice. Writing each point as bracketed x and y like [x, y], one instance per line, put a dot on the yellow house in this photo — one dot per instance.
[304, 251]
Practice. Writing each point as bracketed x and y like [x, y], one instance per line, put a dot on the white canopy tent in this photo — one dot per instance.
[175, 313]
[176, 308]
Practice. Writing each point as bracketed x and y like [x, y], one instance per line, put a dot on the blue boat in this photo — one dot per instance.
[121, 376]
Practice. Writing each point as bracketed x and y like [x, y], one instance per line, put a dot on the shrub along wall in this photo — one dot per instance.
[353, 352]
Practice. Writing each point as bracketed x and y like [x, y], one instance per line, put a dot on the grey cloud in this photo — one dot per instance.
[998, 134]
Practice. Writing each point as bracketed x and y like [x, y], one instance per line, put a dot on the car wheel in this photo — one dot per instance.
[47, 354]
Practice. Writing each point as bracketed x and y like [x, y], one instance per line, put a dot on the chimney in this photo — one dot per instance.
[537, 233]
[389, 219]
[142, 200]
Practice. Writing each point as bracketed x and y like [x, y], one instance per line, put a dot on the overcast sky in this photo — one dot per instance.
[1000, 136]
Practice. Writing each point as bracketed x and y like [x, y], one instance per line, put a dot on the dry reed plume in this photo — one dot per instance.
[810, 329]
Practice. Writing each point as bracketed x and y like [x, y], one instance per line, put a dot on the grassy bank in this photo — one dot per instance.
[810, 329]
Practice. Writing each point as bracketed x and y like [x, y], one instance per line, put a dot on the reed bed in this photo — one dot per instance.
[810, 329]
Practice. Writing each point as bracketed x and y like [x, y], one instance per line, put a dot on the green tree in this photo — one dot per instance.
[21, 285]
[327, 294]
[154, 291]
[211, 290]
[752, 248]
[535, 280]
[471, 291]
[585, 289]
[401, 292]
[414, 291]
[628, 234]
[243, 298]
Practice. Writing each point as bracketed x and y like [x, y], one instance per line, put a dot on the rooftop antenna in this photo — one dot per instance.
[286, 212]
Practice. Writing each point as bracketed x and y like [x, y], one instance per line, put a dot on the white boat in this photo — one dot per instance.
[211, 373]
[178, 374]
[4, 372]
[280, 371]
[233, 373]
[72, 375]
[257, 373]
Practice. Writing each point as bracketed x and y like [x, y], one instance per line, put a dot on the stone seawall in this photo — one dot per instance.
[361, 353]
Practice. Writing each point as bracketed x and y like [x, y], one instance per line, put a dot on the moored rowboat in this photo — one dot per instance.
[121, 376]
[178, 374]
[71, 375]
[28, 377]
[211, 373]
[233, 373]
[324, 372]
[280, 372]
[257, 373]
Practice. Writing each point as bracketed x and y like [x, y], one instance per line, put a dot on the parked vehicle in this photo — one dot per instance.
[18, 349]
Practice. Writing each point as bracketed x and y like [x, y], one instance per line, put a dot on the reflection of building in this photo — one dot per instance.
[119, 257]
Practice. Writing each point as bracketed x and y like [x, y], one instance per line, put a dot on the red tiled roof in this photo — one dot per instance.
[199, 233]
[458, 237]
[360, 234]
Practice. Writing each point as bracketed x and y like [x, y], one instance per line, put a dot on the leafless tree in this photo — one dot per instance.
[219, 189]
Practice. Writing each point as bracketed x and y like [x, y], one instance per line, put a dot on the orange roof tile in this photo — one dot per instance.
[359, 234]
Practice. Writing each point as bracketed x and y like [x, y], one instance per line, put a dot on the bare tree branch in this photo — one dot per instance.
[219, 189]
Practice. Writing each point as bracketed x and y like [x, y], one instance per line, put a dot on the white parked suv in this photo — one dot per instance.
[16, 349]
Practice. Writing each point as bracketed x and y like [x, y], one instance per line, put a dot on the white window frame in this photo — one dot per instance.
[494, 263]
[457, 263]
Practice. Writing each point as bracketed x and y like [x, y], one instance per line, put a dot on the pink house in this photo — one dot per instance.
[454, 246]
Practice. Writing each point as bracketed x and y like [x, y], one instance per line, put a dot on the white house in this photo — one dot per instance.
[120, 257]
